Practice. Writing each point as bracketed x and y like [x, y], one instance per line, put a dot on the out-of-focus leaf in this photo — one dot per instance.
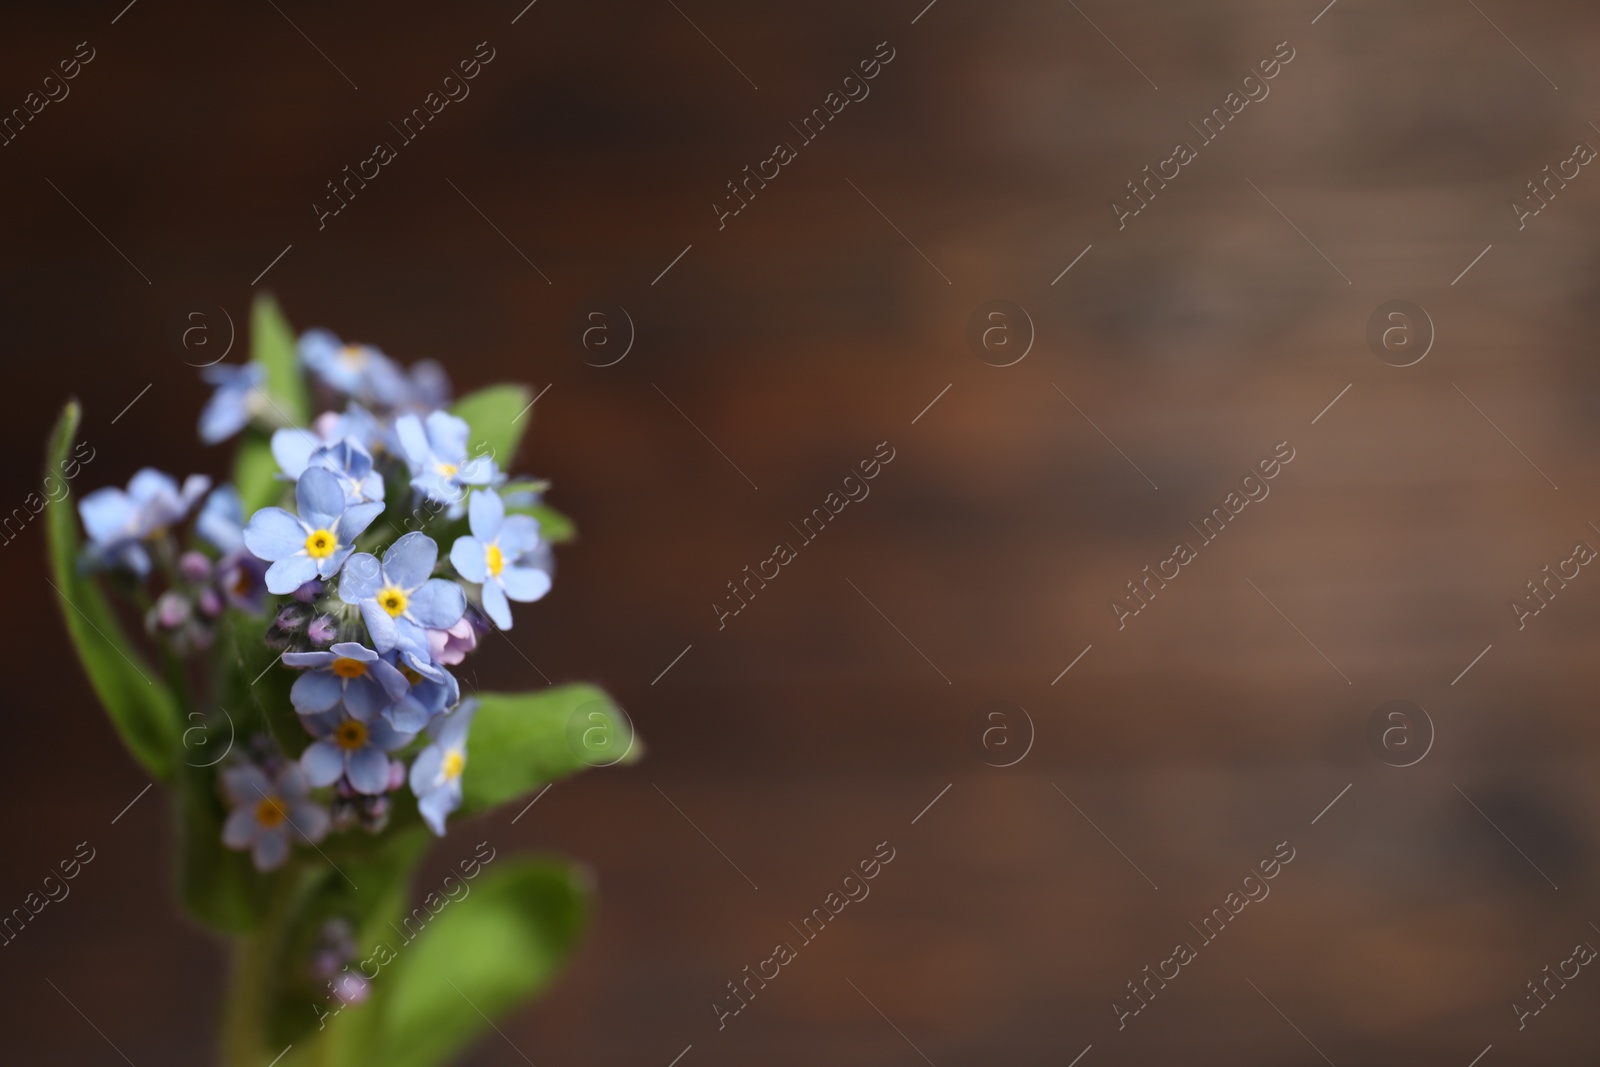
[479, 958]
[272, 345]
[553, 526]
[497, 417]
[520, 742]
[138, 702]
[255, 472]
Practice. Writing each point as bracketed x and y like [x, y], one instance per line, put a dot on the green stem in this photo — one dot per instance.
[255, 962]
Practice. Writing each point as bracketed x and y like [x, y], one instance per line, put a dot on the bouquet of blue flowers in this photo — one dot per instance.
[307, 714]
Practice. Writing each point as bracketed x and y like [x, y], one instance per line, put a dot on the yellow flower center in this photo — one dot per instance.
[270, 813]
[447, 470]
[350, 735]
[497, 560]
[353, 355]
[345, 667]
[321, 544]
[392, 600]
[411, 676]
[454, 763]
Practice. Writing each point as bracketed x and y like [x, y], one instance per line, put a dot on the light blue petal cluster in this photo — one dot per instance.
[348, 675]
[286, 539]
[247, 787]
[512, 541]
[360, 371]
[235, 402]
[438, 790]
[436, 452]
[359, 754]
[118, 521]
[299, 450]
[399, 602]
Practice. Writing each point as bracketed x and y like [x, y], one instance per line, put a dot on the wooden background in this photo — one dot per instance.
[834, 708]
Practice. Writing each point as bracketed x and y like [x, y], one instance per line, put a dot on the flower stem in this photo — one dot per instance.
[256, 961]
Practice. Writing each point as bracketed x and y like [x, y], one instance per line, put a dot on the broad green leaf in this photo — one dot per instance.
[255, 472]
[266, 682]
[553, 526]
[478, 958]
[497, 416]
[272, 345]
[520, 742]
[138, 702]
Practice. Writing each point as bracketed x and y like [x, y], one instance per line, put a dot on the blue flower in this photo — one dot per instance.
[436, 452]
[268, 811]
[493, 555]
[436, 772]
[221, 520]
[352, 748]
[399, 601]
[432, 689]
[360, 371]
[238, 399]
[349, 674]
[118, 522]
[316, 543]
[298, 450]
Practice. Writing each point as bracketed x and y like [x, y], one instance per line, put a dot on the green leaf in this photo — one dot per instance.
[139, 704]
[272, 345]
[255, 472]
[520, 742]
[481, 956]
[553, 526]
[265, 681]
[497, 416]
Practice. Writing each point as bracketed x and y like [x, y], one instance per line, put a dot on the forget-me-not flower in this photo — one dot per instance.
[314, 544]
[399, 601]
[298, 450]
[268, 811]
[347, 746]
[360, 371]
[348, 673]
[436, 452]
[436, 772]
[118, 521]
[493, 554]
[432, 689]
[238, 399]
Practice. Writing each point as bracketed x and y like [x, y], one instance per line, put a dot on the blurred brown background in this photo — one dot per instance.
[797, 338]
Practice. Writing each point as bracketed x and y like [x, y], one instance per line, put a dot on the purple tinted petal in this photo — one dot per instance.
[310, 820]
[272, 848]
[381, 735]
[469, 557]
[309, 659]
[292, 782]
[323, 763]
[246, 784]
[240, 828]
[273, 533]
[287, 575]
[410, 560]
[368, 770]
[407, 715]
[351, 650]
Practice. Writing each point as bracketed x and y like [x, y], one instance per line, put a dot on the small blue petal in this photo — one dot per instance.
[273, 533]
[410, 560]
